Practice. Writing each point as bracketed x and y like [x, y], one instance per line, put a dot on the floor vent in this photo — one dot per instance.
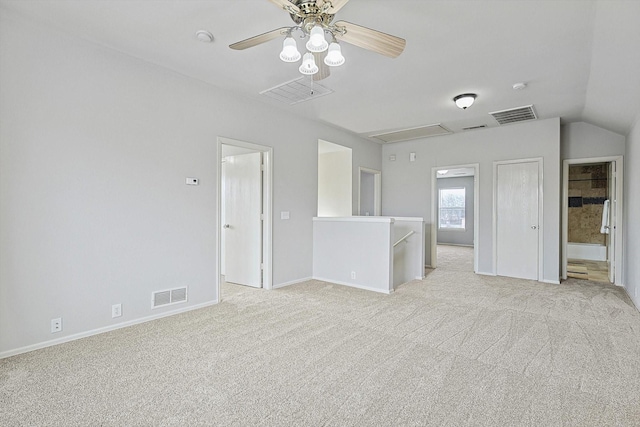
[412, 133]
[475, 127]
[515, 115]
[298, 90]
[168, 297]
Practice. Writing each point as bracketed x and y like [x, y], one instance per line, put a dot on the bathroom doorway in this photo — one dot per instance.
[592, 220]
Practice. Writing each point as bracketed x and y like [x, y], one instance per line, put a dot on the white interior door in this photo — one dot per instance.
[611, 237]
[517, 227]
[243, 225]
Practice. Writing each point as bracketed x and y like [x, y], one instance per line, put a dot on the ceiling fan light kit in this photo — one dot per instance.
[465, 100]
[334, 57]
[314, 18]
[317, 42]
[309, 66]
[290, 51]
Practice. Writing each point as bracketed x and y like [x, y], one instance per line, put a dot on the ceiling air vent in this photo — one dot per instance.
[168, 297]
[413, 133]
[514, 115]
[298, 90]
[475, 127]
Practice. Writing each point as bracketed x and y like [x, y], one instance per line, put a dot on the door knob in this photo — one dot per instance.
[533, 227]
[226, 226]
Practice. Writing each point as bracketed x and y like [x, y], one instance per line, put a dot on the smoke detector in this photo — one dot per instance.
[204, 36]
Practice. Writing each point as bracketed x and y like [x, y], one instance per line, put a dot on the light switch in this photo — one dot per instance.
[412, 157]
[284, 215]
[191, 181]
[392, 158]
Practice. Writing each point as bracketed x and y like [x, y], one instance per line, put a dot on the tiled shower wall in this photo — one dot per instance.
[588, 189]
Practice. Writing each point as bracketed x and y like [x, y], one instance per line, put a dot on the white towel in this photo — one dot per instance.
[604, 229]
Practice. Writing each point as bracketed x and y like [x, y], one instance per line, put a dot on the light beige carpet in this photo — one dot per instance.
[454, 349]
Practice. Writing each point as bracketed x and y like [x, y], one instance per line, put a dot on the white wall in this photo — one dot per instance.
[335, 182]
[583, 140]
[95, 146]
[406, 186]
[361, 246]
[631, 267]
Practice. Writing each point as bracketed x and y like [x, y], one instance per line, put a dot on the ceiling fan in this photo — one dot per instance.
[313, 19]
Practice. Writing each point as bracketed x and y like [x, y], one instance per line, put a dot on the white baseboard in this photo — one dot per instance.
[484, 273]
[552, 282]
[102, 330]
[353, 285]
[293, 282]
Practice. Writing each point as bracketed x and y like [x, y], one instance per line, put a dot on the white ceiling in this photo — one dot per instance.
[580, 59]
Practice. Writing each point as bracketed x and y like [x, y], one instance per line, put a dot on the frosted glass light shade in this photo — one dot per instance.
[334, 57]
[290, 50]
[316, 42]
[465, 100]
[308, 64]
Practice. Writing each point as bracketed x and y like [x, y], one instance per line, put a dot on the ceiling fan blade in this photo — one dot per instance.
[377, 41]
[332, 5]
[262, 38]
[323, 69]
[287, 5]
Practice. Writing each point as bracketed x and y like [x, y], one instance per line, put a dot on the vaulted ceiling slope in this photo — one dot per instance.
[580, 59]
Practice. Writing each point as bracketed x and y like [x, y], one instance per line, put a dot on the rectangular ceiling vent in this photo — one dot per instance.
[475, 127]
[168, 297]
[298, 90]
[515, 115]
[412, 133]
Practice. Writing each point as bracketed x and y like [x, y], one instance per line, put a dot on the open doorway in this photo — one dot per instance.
[335, 180]
[369, 203]
[592, 219]
[454, 226]
[244, 214]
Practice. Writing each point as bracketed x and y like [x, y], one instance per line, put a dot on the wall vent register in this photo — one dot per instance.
[168, 297]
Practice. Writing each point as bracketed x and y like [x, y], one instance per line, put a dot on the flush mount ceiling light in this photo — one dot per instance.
[204, 36]
[465, 100]
[313, 21]
[443, 172]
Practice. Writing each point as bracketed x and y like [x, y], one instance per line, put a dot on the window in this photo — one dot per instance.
[451, 209]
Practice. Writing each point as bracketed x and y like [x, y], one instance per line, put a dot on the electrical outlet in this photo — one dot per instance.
[353, 275]
[116, 310]
[56, 325]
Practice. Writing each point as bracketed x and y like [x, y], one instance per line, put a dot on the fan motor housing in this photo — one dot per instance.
[310, 15]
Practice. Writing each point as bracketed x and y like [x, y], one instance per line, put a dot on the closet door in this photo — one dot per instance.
[517, 222]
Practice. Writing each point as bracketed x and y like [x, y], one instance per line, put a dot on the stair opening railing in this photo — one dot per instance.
[404, 238]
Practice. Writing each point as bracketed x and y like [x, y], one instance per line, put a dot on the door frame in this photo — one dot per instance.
[540, 162]
[618, 244]
[267, 203]
[377, 202]
[434, 211]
